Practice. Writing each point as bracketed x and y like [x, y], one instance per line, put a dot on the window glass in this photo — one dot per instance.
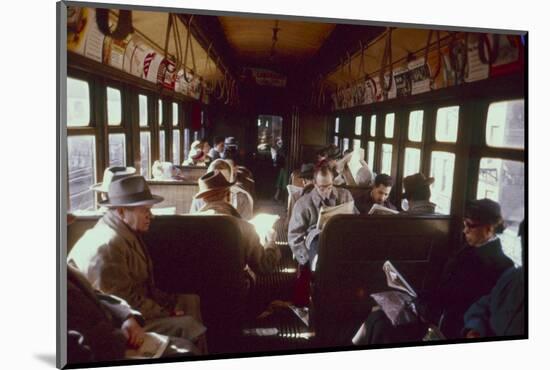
[176, 159]
[82, 169]
[145, 152]
[412, 161]
[415, 125]
[143, 111]
[505, 124]
[117, 150]
[442, 169]
[160, 112]
[114, 107]
[503, 181]
[175, 115]
[345, 144]
[358, 125]
[78, 103]
[337, 125]
[356, 143]
[387, 150]
[446, 124]
[162, 147]
[370, 154]
[373, 126]
[336, 140]
[186, 142]
[388, 131]
[195, 135]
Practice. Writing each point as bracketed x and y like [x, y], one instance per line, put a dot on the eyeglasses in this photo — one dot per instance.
[471, 225]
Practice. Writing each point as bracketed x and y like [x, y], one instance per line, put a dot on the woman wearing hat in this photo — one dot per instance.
[197, 157]
[468, 275]
[114, 258]
[214, 191]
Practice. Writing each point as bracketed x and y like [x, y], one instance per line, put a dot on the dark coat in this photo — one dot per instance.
[470, 274]
[97, 317]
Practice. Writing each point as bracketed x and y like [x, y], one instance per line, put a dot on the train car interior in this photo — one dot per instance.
[296, 109]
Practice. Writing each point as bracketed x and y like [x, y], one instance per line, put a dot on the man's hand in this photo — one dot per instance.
[472, 334]
[133, 332]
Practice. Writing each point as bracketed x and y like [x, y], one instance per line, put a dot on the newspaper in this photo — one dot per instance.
[398, 306]
[377, 209]
[153, 347]
[327, 212]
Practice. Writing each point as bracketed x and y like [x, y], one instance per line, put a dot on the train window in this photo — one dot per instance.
[336, 140]
[195, 135]
[186, 143]
[446, 124]
[505, 124]
[370, 154]
[358, 125]
[356, 143]
[114, 107]
[117, 150]
[345, 144]
[415, 125]
[176, 146]
[175, 120]
[373, 125]
[503, 181]
[160, 112]
[143, 110]
[145, 152]
[412, 161]
[162, 148]
[390, 119]
[78, 103]
[442, 169]
[337, 125]
[387, 150]
[82, 169]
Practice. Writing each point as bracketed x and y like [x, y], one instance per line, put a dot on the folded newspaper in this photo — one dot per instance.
[398, 306]
[327, 212]
[153, 347]
[377, 209]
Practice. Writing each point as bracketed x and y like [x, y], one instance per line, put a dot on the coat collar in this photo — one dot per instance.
[114, 222]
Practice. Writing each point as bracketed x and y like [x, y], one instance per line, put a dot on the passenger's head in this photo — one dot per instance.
[382, 188]
[323, 179]
[205, 146]
[321, 155]
[196, 153]
[482, 220]
[279, 142]
[219, 143]
[417, 187]
[333, 155]
[131, 200]
[306, 173]
[213, 187]
[223, 166]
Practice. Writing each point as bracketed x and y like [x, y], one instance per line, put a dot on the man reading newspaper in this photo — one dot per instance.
[304, 226]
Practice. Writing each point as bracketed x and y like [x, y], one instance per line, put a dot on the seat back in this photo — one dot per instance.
[352, 250]
[192, 173]
[177, 194]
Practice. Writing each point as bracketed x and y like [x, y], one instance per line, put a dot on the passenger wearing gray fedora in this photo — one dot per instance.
[114, 258]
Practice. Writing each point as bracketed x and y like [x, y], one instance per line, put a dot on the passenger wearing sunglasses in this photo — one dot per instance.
[468, 275]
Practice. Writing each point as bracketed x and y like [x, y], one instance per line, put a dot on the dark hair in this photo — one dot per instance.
[230, 152]
[218, 140]
[421, 193]
[323, 170]
[383, 179]
[486, 212]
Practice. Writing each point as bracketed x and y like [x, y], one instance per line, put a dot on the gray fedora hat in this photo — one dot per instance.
[212, 182]
[131, 191]
[112, 174]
